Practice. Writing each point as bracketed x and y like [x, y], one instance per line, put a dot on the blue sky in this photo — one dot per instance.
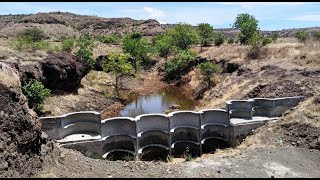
[271, 15]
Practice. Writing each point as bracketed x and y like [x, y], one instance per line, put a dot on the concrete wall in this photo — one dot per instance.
[171, 134]
[118, 135]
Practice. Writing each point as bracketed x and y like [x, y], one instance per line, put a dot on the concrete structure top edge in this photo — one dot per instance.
[292, 97]
[203, 140]
[154, 114]
[150, 130]
[230, 101]
[206, 110]
[178, 112]
[71, 113]
[181, 127]
[184, 141]
[118, 118]
[115, 150]
[153, 145]
[120, 134]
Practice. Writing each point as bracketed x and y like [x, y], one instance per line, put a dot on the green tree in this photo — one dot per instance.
[219, 39]
[205, 33]
[138, 47]
[183, 36]
[208, 69]
[33, 34]
[85, 51]
[36, 93]
[119, 66]
[302, 36]
[179, 65]
[248, 25]
[163, 45]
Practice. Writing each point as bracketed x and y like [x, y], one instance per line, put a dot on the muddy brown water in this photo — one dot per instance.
[157, 102]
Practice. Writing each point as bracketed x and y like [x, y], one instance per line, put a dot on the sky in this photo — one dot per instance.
[271, 15]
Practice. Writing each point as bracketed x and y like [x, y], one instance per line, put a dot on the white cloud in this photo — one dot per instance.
[310, 17]
[154, 13]
[247, 4]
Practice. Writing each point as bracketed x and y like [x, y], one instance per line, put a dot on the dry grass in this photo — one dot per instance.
[103, 49]
[232, 52]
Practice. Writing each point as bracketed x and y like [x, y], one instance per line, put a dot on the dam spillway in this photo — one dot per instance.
[166, 134]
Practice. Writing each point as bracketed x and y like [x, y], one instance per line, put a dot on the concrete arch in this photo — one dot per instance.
[119, 142]
[83, 116]
[155, 137]
[81, 128]
[108, 154]
[185, 119]
[210, 144]
[179, 148]
[219, 117]
[213, 131]
[240, 108]
[185, 134]
[151, 122]
[118, 126]
[153, 152]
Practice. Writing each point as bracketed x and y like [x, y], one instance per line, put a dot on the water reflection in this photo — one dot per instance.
[157, 103]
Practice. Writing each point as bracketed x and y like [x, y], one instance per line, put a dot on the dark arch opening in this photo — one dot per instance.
[120, 155]
[183, 149]
[212, 144]
[154, 153]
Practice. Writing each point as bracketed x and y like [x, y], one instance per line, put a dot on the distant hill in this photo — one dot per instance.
[57, 24]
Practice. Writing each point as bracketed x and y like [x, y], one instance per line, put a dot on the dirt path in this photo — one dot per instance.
[260, 162]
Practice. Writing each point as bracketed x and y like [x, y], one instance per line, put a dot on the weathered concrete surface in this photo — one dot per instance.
[176, 132]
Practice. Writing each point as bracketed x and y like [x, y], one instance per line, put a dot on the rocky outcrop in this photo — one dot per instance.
[20, 132]
[58, 71]
[63, 71]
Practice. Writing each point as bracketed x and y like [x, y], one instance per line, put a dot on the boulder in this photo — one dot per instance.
[63, 71]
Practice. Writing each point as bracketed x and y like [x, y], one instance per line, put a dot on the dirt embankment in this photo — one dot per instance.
[22, 145]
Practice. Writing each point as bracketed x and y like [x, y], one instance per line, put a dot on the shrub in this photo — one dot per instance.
[274, 36]
[208, 69]
[316, 35]
[256, 42]
[67, 44]
[108, 39]
[85, 51]
[180, 64]
[230, 40]
[36, 94]
[302, 36]
[219, 39]
[33, 34]
[266, 40]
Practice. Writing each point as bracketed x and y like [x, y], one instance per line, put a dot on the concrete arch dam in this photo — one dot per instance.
[151, 135]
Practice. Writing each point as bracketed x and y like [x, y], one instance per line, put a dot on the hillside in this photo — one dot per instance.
[288, 147]
[57, 24]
